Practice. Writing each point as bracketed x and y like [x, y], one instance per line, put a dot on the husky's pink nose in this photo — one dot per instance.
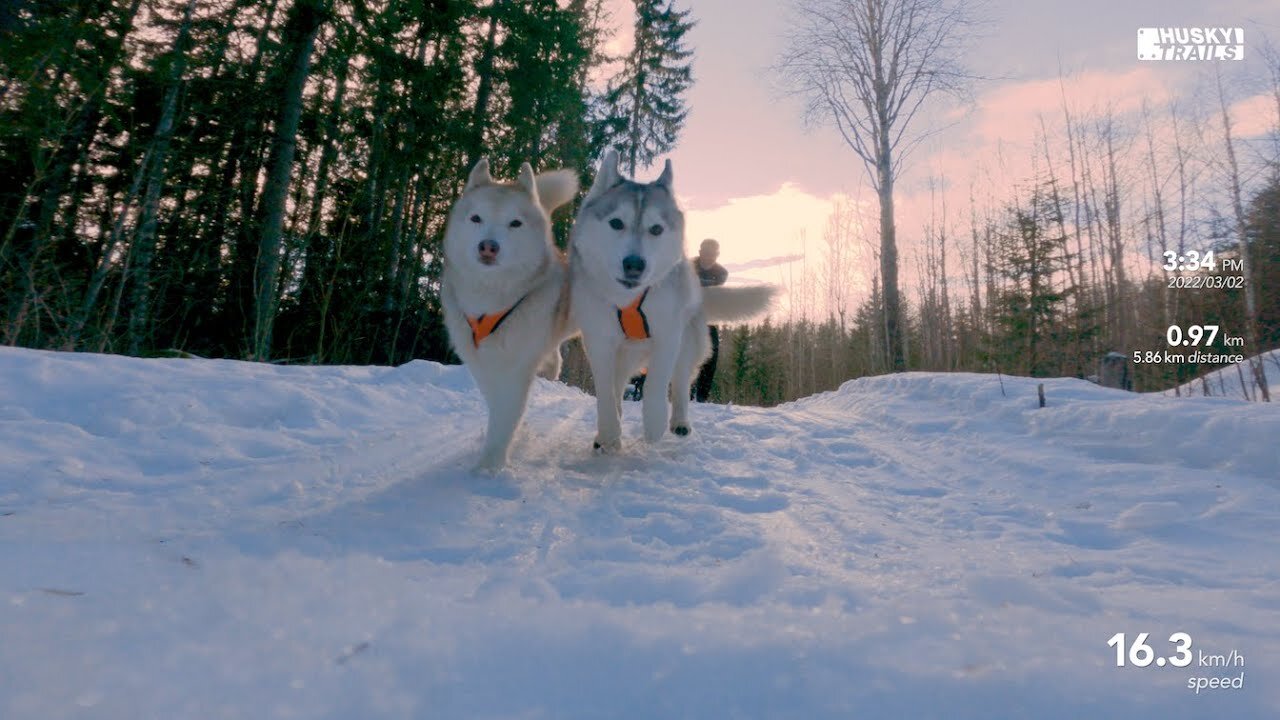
[488, 250]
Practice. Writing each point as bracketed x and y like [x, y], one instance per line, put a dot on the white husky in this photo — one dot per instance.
[637, 299]
[504, 290]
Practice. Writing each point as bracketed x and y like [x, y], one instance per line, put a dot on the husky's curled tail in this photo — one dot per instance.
[736, 303]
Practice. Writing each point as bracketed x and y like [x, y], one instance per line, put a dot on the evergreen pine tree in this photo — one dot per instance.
[1030, 305]
[644, 106]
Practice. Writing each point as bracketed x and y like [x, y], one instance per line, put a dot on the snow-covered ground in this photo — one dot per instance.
[214, 539]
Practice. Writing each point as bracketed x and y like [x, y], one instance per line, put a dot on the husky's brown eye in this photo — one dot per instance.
[516, 223]
[616, 224]
[655, 229]
[475, 218]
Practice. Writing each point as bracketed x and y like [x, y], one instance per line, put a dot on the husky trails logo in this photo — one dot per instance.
[1197, 43]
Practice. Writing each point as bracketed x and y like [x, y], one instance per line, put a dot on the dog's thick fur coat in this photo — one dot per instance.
[628, 240]
[504, 291]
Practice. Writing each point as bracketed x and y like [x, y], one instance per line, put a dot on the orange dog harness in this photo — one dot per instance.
[485, 325]
[632, 320]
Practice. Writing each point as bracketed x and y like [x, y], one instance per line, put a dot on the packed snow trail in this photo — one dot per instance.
[203, 539]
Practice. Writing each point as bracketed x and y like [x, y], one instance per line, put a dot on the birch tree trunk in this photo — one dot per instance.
[306, 18]
[1250, 293]
[484, 72]
[144, 244]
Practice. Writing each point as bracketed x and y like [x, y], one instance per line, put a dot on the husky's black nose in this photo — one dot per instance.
[488, 250]
[632, 267]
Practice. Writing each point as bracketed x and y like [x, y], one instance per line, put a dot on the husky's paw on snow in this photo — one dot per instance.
[504, 291]
[639, 304]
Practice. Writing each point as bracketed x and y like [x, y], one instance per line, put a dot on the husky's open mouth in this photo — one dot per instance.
[628, 284]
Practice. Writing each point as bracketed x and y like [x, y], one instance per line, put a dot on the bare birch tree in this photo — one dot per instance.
[301, 29]
[1250, 292]
[867, 67]
[144, 245]
[839, 260]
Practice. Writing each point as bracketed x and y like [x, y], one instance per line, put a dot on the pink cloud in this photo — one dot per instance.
[1254, 116]
[1013, 110]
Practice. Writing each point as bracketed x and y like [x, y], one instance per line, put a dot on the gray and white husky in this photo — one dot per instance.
[638, 302]
[504, 291]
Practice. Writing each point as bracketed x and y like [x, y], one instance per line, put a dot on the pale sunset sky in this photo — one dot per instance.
[750, 174]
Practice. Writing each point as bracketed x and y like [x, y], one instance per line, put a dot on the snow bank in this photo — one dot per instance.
[1227, 381]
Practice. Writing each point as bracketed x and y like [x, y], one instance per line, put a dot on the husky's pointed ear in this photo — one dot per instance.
[527, 181]
[607, 175]
[665, 178]
[479, 174]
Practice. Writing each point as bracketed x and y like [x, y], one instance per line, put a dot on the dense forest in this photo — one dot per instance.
[268, 179]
